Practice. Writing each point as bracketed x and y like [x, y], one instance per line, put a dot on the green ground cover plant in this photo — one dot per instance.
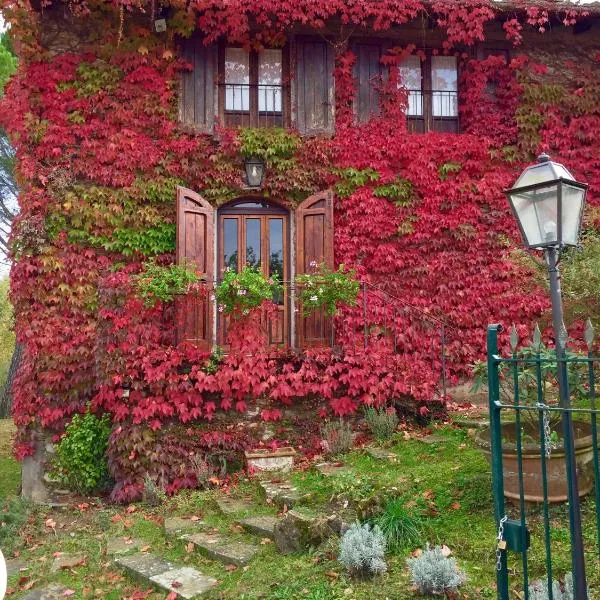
[448, 484]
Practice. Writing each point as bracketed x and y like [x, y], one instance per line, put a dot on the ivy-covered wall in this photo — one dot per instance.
[93, 114]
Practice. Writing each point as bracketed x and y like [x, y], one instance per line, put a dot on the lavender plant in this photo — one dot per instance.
[362, 550]
[433, 573]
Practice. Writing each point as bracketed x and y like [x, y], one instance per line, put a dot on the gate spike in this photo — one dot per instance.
[514, 338]
[537, 338]
[589, 334]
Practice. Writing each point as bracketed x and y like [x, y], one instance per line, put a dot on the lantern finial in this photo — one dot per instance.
[543, 158]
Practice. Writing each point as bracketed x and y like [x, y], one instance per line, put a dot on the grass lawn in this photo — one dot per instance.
[446, 485]
[10, 470]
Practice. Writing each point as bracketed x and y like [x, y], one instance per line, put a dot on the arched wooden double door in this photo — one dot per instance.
[256, 233]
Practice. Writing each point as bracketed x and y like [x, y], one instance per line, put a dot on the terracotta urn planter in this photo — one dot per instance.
[556, 469]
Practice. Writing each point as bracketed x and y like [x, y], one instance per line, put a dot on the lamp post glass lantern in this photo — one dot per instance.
[548, 204]
[255, 172]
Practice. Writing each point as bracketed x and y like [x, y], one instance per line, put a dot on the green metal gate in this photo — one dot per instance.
[542, 453]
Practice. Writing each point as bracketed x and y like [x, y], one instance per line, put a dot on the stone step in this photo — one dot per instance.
[186, 582]
[221, 548]
[381, 454]
[232, 506]
[263, 525]
[123, 545]
[52, 592]
[177, 526]
[283, 493]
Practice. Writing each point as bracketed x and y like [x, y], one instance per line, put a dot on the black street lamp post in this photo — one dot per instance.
[548, 205]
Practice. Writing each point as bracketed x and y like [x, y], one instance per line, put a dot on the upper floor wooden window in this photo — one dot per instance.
[252, 92]
[432, 87]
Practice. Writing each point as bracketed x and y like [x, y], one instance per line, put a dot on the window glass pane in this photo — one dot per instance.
[410, 78]
[237, 79]
[230, 244]
[253, 242]
[276, 253]
[269, 80]
[444, 80]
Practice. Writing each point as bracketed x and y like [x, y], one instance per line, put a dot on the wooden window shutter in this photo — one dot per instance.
[195, 237]
[314, 87]
[368, 74]
[197, 98]
[314, 243]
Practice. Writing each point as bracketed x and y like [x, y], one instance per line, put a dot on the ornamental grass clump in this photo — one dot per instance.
[362, 550]
[382, 422]
[337, 438]
[400, 526]
[433, 573]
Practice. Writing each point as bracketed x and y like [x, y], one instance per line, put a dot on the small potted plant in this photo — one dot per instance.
[528, 373]
[241, 292]
[326, 289]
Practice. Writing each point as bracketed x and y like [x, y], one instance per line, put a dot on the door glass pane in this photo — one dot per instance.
[276, 253]
[269, 80]
[230, 244]
[444, 79]
[410, 79]
[253, 242]
[237, 79]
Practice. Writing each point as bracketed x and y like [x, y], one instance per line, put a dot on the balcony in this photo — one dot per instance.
[253, 105]
[432, 110]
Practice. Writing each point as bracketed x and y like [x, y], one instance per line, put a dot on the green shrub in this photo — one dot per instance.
[399, 525]
[81, 462]
[13, 515]
[156, 283]
[382, 422]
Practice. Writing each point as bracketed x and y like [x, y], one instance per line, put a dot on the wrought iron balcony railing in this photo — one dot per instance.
[252, 105]
[432, 110]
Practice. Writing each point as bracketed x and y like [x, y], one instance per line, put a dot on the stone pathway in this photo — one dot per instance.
[229, 549]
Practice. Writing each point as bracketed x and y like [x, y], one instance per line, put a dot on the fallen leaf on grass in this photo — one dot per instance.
[131, 509]
[194, 518]
[145, 548]
[455, 506]
[68, 592]
[230, 567]
[189, 548]
[265, 541]
[50, 523]
[29, 585]
[332, 575]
